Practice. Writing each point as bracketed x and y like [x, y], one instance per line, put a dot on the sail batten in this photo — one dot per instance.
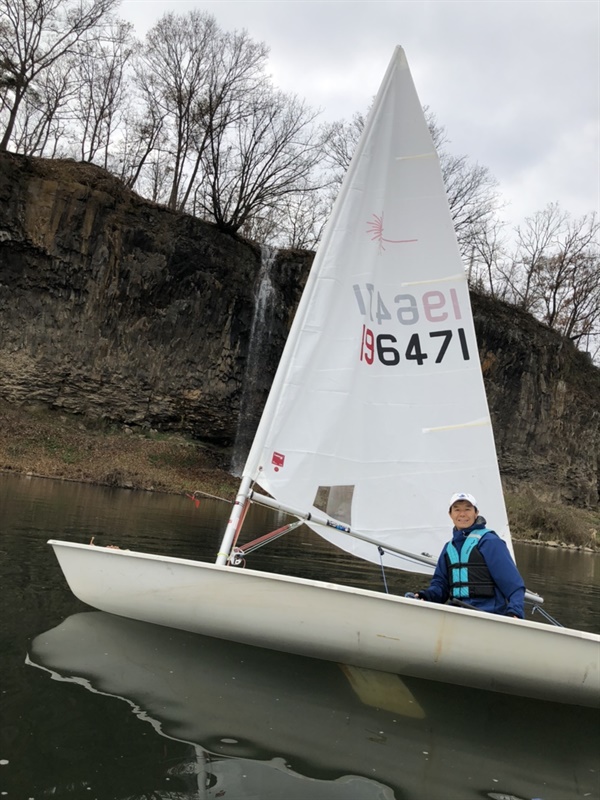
[379, 387]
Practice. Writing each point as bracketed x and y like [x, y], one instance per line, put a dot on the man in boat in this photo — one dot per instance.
[475, 568]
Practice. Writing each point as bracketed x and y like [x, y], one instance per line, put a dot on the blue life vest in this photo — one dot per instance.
[468, 573]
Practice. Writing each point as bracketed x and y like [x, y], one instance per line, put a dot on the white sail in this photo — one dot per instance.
[378, 413]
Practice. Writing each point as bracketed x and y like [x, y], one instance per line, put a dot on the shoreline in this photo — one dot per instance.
[39, 442]
[126, 486]
[189, 493]
[45, 443]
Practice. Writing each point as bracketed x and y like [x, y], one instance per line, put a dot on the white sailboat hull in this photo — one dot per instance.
[337, 623]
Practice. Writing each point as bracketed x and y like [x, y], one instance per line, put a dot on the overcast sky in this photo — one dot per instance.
[514, 82]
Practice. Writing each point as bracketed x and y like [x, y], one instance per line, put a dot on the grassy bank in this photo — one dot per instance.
[53, 444]
[539, 521]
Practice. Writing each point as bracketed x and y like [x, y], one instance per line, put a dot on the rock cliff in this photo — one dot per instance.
[115, 308]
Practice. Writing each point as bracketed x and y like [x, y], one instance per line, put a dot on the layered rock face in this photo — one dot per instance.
[544, 398]
[115, 308]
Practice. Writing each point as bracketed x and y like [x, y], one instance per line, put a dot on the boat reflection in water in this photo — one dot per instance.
[268, 725]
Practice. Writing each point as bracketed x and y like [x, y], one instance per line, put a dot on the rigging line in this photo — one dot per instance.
[249, 547]
[200, 493]
[413, 559]
[545, 614]
[270, 502]
[381, 552]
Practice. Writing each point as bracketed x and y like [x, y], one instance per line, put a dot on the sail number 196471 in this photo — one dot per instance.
[384, 346]
[434, 306]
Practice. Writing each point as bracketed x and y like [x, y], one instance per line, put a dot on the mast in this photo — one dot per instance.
[238, 512]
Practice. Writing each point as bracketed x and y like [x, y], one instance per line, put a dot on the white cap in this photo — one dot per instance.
[463, 496]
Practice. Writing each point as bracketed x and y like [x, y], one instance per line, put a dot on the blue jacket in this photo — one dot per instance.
[509, 588]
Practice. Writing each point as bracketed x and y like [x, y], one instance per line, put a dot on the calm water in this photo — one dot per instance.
[98, 707]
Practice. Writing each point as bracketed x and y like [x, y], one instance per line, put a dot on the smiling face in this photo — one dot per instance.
[463, 514]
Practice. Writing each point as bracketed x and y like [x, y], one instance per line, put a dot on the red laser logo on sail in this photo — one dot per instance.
[375, 227]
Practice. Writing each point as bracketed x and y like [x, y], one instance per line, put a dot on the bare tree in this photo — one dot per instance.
[194, 78]
[554, 273]
[157, 177]
[303, 218]
[143, 136]
[41, 126]
[472, 191]
[172, 73]
[534, 240]
[569, 280]
[296, 221]
[486, 266]
[340, 140]
[34, 35]
[472, 196]
[100, 74]
[254, 165]
[237, 71]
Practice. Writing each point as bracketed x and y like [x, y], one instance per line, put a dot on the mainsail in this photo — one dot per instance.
[378, 413]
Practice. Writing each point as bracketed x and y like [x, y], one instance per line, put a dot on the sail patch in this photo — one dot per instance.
[335, 501]
[278, 460]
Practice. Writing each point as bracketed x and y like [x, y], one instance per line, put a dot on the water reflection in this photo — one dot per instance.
[568, 580]
[305, 722]
[271, 725]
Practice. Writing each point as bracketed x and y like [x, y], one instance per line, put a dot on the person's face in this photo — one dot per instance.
[463, 514]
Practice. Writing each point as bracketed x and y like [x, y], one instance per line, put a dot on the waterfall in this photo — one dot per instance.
[253, 380]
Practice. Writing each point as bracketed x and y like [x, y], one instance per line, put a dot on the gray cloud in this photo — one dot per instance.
[514, 82]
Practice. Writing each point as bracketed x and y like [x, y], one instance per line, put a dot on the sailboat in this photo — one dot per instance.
[376, 416]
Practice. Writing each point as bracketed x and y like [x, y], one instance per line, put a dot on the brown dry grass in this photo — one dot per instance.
[57, 445]
[537, 520]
